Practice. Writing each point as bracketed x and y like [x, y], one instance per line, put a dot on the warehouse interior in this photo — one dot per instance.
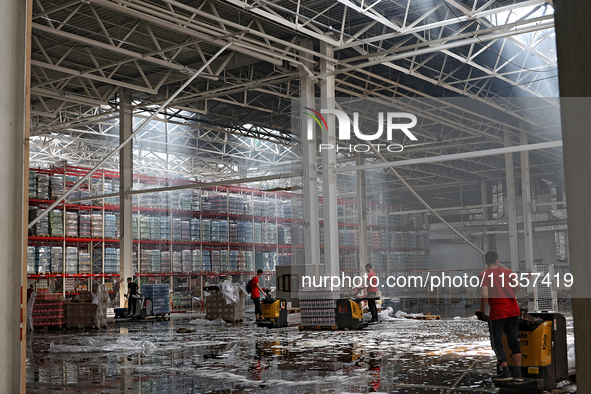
[187, 144]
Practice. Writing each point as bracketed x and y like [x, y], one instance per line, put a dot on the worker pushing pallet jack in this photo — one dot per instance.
[537, 342]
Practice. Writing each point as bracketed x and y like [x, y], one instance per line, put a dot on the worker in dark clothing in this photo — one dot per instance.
[255, 294]
[132, 296]
[30, 291]
[499, 286]
[372, 291]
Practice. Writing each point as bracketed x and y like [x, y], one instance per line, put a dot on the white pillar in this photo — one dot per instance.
[329, 167]
[14, 123]
[362, 215]
[125, 185]
[511, 209]
[528, 231]
[573, 44]
[309, 170]
[484, 200]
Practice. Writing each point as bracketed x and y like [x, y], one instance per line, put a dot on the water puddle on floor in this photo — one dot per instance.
[399, 356]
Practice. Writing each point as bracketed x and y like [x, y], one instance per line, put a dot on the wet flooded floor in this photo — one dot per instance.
[399, 356]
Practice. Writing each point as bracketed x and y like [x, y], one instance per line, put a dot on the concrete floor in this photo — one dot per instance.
[397, 356]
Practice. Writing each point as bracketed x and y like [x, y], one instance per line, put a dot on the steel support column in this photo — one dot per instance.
[309, 170]
[573, 44]
[484, 198]
[329, 171]
[14, 123]
[125, 186]
[528, 231]
[511, 209]
[362, 215]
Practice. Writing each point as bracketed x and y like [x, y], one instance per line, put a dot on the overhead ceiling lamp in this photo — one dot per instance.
[329, 31]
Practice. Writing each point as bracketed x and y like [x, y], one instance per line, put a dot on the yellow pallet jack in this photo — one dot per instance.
[274, 312]
[349, 314]
[544, 360]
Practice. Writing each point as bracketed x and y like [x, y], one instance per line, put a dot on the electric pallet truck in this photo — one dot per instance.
[544, 361]
[274, 313]
[350, 314]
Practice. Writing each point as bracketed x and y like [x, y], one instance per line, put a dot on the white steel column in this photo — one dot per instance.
[484, 198]
[362, 215]
[511, 210]
[125, 186]
[309, 170]
[329, 172]
[573, 44]
[528, 230]
[14, 123]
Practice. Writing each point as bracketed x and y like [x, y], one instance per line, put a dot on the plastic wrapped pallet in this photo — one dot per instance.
[56, 187]
[165, 228]
[32, 184]
[206, 230]
[43, 186]
[111, 261]
[155, 228]
[176, 262]
[56, 223]
[71, 260]
[195, 200]
[233, 261]
[84, 226]
[159, 293]
[57, 266]
[71, 224]
[186, 201]
[195, 230]
[156, 260]
[196, 260]
[185, 230]
[145, 262]
[249, 258]
[145, 231]
[223, 231]
[224, 261]
[186, 260]
[177, 230]
[226, 304]
[84, 263]
[110, 226]
[206, 258]
[241, 261]
[165, 262]
[97, 260]
[100, 298]
[31, 260]
[96, 225]
[258, 233]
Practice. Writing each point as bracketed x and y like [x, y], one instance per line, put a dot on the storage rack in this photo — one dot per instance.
[266, 226]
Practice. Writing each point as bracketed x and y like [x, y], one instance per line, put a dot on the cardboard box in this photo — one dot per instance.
[217, 308]
[80, 314]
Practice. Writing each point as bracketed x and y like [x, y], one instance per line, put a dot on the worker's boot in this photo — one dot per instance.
[505, 375]
[517, 375]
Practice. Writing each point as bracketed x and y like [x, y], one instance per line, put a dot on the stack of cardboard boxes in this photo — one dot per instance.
[81, 311]
[216, 307]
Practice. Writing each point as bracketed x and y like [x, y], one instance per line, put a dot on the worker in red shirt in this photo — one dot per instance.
[255, 294]
[372, 290]
[498, 289]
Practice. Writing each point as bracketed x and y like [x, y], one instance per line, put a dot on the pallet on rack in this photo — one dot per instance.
[319, 328]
